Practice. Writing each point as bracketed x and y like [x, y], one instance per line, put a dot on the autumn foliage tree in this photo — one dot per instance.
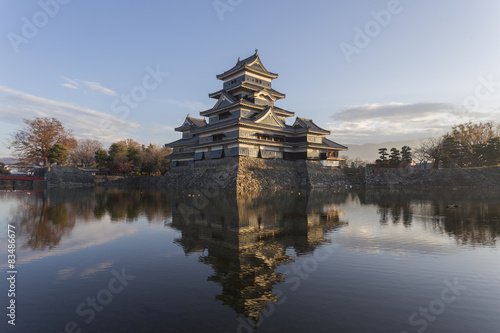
[128, 157]
[33, 143]
[467, 145]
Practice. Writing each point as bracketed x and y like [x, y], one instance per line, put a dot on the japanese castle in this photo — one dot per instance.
[246, 122]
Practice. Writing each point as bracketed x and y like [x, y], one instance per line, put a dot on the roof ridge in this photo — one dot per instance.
[203, 119]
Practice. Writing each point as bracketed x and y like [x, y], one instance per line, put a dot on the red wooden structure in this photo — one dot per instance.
[20, 178]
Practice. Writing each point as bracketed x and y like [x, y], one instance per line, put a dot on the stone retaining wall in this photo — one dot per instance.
[220, 173]
[474, 177]
[61, 176]
[243, 174]
[246, 174]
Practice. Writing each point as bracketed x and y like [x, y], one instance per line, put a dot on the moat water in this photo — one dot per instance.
[110, 260]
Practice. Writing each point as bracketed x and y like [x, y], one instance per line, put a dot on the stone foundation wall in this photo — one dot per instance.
[247, 174]
[244, 174]
[61, 176]
[476, 177]
[253, 174]
[325, 177]
[257, 174]
[219, 173]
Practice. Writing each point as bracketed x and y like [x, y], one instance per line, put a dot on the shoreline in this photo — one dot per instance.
[250, 175]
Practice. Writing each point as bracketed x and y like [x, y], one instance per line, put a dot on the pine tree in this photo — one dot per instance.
[406, 156]
[395, 157]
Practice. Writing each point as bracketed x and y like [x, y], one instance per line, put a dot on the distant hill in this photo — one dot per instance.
[369, 152]
[8, 160]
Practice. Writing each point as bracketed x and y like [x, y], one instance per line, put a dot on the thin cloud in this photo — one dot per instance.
[162, 129]
[398, 121]
[16, 105]
[96, 86]
[69, 85]
[191, 105]
[395, 111]
[85, 86]
[99, 234]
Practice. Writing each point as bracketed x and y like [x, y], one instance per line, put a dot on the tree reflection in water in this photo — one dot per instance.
[43, 222]
[474, 221]
[44, 218]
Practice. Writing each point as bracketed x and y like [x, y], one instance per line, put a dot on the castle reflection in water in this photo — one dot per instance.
[245, 238]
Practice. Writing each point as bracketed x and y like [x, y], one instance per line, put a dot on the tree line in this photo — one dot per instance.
[45, 141]
[466, 145]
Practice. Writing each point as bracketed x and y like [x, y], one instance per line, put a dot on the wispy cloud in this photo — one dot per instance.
[90, 236]
[162, 129]
[85, 86]
[16, 105]
[399, 121]
[89, 271]
[190, 105]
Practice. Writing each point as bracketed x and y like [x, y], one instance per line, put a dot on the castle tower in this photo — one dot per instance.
[246, 122]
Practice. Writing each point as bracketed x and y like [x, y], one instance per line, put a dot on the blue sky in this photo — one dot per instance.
[369, 71]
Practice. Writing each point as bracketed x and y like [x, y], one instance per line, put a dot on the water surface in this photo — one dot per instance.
[112, 260]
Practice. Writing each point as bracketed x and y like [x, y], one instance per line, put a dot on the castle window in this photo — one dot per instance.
[224, 115]
[218, 137]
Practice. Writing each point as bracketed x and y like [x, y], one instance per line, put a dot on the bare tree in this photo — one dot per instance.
[84, 153]
[420, 155]
[431, 150]
[353, 163]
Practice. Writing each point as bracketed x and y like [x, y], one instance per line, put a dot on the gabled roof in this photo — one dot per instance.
[190, 123]
[225, 100]
[252, 64]
[269, 113]
[309, 125]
